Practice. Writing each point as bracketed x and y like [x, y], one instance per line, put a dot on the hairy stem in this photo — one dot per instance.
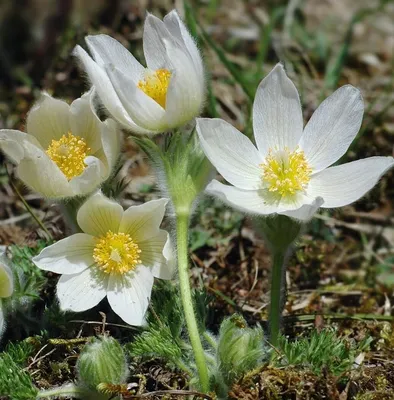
[277, 276]
[69, 210]
[29, 209]
[182, 225]
[63, 391]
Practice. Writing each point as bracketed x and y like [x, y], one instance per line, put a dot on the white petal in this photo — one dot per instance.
[260, 202]
[154, 49]
[178, 29]
[143, 221]
[277, 115]
[84, 121]
[142, 108]
[82, 291]
[40, 173]
[249, 201]
[68, 256]
[106, 50]
[186, 90]
[48, 120]
[333, 127]
[129, 295]
[305, 212]
[152, 250]
[110, 141]
[6, 279]
[98, 215]
[167, 269]
[92, 176]
[344, 184]
[231, 152]
[35, 168]
[105, 90]
[12, 142]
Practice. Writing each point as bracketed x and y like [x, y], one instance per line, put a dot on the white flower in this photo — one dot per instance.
[165, 95]
[118, 256]
[6, 286]
[288, 171]
[67, 150]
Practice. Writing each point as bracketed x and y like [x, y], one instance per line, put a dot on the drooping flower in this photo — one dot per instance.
[118, 256]
[6, 286]
[290, 171]
[166, 94]
[67, 150]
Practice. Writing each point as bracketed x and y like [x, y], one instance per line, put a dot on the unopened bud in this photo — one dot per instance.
[102, 361]
[6, 278]
[240, 348]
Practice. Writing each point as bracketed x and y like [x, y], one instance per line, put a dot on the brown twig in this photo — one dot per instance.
[81, 321]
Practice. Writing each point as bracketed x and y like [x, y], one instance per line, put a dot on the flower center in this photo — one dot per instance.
[286, 172]
[69, 153]
[155, 85]
[116, 253]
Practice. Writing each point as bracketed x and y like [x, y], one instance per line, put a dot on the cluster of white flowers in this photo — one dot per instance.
[68, 151]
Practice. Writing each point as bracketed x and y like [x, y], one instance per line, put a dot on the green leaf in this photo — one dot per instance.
[234, 71]
[334, 70]
[15, 382]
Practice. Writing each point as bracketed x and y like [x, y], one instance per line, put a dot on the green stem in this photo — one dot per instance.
[276, 295]
[69, 210]
[182, 225]
[29, 209]
[64, 391]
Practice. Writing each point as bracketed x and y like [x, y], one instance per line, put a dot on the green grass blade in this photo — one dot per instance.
[234, 71]
[334, 71]
[265, 40]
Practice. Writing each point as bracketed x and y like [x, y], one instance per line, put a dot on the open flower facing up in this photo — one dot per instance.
[67, 150]
[165, 95]
[289, 172]
[118, 255]
[6, 286]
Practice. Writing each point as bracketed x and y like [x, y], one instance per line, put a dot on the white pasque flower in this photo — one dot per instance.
[288, 171]
[118, 256]
[165, 95]
[6, 286]
[67, 150]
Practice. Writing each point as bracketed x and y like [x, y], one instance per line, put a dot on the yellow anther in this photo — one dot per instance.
[69, 153]
[155, 85]
[286, 172]
[116, 253]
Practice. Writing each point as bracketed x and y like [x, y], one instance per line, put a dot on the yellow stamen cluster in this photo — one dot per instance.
[69, 153]
[116, 253]
[155, 85]
[286, 172]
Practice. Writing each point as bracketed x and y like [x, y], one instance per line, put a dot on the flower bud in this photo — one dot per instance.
[6, 287]
[6, 278]
[240, 348]
[102, 361]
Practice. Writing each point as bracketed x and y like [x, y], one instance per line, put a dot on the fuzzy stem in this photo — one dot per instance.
[69, 211]
[277, 276]
[64, 391]
[29, 209]
[182, 224]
